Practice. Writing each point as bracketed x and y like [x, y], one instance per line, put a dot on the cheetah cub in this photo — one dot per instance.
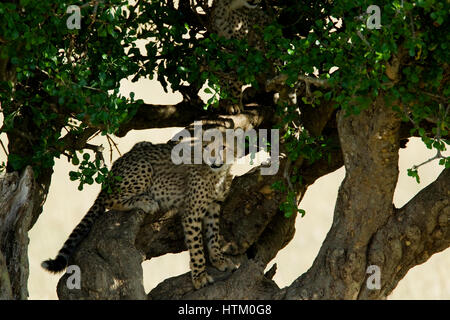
[152, 182]
[236, 19]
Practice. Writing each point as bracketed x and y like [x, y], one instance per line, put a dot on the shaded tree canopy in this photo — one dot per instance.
[341, 92]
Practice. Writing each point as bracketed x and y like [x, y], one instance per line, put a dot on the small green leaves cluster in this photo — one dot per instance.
[220, 56]
[356, 61]
[299, 144]
[289, 206]
[65, 80]
[87, 170]
[90, 171]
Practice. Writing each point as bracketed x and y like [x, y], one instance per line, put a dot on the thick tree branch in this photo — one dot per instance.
[250, 276]
[411, 236]
[186, 112]
[110, 264]
[16, 197]
[5, 282]
[161, 116]
[370, 143]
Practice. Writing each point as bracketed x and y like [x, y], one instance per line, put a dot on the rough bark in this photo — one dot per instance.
[109, 262]
[246, 283]
[5, 283]
[16, 213]
[411, 236]
[370, 143]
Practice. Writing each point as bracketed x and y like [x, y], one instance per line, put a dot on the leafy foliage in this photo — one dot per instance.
[357, 62]
[66, 82]
[65, 79]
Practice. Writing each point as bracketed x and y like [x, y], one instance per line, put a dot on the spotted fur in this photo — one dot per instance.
[152, 182]
[235, 19]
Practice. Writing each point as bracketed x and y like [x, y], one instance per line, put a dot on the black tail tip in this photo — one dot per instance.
[55, 265]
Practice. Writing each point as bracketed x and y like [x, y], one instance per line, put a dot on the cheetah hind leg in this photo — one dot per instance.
[211, 221]
[142, 201]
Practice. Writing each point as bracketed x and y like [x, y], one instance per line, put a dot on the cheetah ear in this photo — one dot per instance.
[237, 4]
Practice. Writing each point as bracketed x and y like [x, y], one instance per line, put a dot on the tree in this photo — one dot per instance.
[366, 79]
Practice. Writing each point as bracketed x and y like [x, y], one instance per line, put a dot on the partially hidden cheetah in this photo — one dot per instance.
[152, 182]
[236, 19]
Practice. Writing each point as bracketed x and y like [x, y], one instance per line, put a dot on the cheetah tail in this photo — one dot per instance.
[78, 234]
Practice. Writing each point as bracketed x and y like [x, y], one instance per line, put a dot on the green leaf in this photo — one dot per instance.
[413, 173]
[75, 160]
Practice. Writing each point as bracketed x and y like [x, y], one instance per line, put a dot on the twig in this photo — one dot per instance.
[94, 14]
[97, 149]
[361, 36]
[92, 88]
[446, 111]
[69, 156]
[110, 140]
[438, 155]
[410, 118]
[4, 149]
[411, 22]
[434, 96]
[90, 3]
[110, 148]
[94, 135]
[286, 175]
[86, 87]
[24, 135]
[437, 137]
[290, 186]
[281, 79]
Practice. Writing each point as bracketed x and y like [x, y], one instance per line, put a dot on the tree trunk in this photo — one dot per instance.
[16, 214]
[370, 144]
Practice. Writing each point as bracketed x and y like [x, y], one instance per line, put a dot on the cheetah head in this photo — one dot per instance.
[215, 155]
[224, 149]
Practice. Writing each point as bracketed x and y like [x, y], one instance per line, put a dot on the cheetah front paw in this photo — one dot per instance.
[202, 280]
[231, 107]
[223, 264]
[234, 108]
